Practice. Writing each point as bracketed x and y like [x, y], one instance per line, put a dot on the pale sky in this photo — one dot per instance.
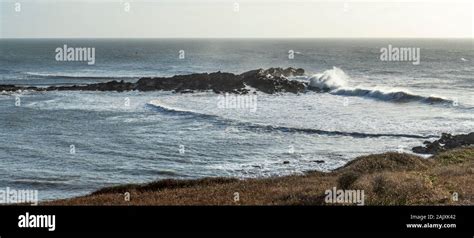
[225, 19]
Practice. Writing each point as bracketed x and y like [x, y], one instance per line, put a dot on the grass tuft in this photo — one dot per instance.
[386, 179]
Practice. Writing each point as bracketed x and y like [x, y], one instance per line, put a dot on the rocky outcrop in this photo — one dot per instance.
[108, 86]
[217, 82]
[13, 88]
[274, 80]
[446, 142]
[271, 80]
[275, 72]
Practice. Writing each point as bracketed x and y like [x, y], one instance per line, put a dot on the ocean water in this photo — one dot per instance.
[134, 137]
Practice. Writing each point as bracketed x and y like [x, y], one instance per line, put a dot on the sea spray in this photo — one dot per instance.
[329, 79]
[335, 82]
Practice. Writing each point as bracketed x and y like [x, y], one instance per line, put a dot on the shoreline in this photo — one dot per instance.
[389, 178]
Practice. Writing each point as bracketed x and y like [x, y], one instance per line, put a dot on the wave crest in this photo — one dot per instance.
[388, 95]
[329, 79]
[158, 105]
[335, 82]
[162, 107]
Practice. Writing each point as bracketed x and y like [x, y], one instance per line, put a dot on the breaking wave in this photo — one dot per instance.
[161, 107]
[388, 95]
[335, 81]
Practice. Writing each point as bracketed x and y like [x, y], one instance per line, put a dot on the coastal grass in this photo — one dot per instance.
[387, 179]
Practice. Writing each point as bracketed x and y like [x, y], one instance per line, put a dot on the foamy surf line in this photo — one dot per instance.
[156, 104]
[335, 81]
[395, 96]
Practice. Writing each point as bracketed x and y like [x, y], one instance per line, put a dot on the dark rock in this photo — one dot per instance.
[419, 150]
[318, 161]
[286, 162]
[274, 72]
[108, 86]
[10, 88]
[274, 80]
[280, 72]
[271, 80]
[446, 142]
[218, 82]
[299, 72]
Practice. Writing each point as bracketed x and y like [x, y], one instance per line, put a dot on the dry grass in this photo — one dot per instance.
[387, 179]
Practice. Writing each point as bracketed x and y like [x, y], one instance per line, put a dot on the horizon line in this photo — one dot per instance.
[253, 38]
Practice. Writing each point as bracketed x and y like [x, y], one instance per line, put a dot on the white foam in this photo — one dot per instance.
[160, 104]
[336, 80]
[329, 79]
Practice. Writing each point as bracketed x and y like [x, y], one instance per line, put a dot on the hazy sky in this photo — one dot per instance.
[223, 18]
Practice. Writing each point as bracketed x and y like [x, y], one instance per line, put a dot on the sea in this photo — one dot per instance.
[71, 143]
